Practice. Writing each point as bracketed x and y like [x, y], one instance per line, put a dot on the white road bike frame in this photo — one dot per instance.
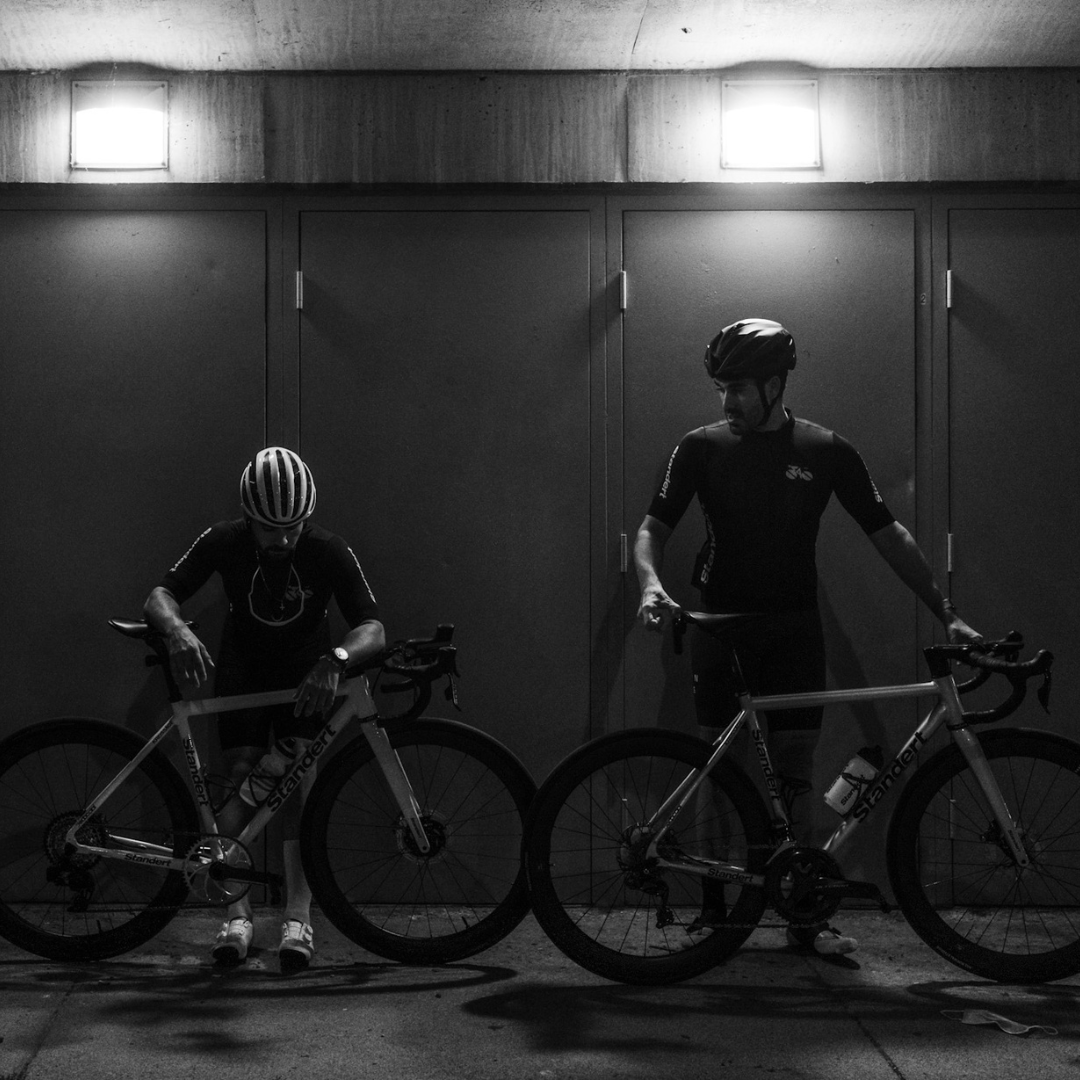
[357, 704]
[947, 709]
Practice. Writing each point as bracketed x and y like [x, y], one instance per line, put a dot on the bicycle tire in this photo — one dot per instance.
[371, 880]
[957, 885]
[72, 907]
[588, 904]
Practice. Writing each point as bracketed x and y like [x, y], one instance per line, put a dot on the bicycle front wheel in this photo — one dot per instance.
[59, 903]
[370, 877]
[956, 881]
[594, 891]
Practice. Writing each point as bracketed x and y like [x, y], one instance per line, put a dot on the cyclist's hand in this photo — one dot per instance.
[960, 633]
[317, 692]
[655, 608]
[188, 657]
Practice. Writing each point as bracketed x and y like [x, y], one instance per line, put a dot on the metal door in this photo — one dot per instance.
[445, 407]
[1014, 369]
[133, 390]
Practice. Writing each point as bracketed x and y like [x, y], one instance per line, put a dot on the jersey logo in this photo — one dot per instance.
[277, 611]
[667, 476]
[796, 472]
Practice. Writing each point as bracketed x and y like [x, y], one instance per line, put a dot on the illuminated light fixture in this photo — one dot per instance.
[119, 125]
[770, 124]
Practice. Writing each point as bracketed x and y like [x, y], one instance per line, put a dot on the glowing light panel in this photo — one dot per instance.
[770, 125]
[119, 125]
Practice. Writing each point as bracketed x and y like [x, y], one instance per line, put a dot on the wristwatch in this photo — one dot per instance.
[339, 658]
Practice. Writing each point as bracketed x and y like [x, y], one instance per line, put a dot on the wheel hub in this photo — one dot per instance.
[436, 832]
[63, 855]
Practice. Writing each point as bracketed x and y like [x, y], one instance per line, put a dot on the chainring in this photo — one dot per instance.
[793, 882]
[209, 851]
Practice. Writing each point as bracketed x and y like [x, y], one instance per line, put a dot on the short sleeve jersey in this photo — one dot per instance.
[277, 611]
[763, 495]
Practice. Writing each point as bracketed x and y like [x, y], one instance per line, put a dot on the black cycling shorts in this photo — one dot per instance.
[782, 653]
[253, 727]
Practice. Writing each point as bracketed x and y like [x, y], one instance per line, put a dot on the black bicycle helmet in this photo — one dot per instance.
[750, 349]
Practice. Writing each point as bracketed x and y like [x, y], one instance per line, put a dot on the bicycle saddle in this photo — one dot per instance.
[136, 628]
[717, 624]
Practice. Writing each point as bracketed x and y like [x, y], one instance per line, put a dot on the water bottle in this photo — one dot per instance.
[854, 779]
[269, 769]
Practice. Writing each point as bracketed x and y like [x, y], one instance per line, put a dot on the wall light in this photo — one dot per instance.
[770, 124]
[119, 125]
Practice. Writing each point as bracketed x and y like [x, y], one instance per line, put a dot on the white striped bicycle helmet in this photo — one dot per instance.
[277, 489]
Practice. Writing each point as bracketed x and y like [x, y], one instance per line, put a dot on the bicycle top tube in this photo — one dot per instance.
[355, 689]
[987, 657]
[843, 697]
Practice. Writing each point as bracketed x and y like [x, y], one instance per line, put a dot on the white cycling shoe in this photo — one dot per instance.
[297, 946]
[232, 942]
[824, 940]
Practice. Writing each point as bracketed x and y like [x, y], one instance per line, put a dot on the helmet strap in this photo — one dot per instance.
[767, 405]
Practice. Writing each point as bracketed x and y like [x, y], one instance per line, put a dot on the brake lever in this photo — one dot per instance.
[1043, 693]
[451, 690]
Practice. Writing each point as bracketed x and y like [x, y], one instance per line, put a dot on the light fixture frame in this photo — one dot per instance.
[116, 90]
[774, 87]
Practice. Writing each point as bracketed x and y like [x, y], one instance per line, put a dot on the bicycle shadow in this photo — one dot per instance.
[258, 977]
[567, 1019]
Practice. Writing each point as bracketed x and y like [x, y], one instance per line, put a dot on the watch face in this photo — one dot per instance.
[342, 656]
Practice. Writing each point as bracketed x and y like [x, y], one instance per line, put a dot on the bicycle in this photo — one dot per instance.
[630, 834]
[410, 837]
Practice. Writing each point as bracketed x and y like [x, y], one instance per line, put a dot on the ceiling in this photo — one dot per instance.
[536, 35]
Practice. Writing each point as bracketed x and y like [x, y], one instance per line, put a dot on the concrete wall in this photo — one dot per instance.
[559, 128]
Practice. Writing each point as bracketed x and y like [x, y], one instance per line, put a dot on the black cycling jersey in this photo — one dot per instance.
[763, 495]
[277, 610]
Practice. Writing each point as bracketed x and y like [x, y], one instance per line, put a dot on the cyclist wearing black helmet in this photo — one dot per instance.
[763, 478]
[279, 572]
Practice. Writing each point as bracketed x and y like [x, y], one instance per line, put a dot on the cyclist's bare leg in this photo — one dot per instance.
[238, 762]
[792, 756]
[297, 890]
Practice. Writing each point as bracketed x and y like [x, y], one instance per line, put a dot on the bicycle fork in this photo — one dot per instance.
[398, 782]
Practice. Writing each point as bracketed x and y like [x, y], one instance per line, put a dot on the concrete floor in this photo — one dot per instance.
[523, 1010]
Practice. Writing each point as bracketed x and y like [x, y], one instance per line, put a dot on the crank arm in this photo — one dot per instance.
[857, 890]
[223, 872]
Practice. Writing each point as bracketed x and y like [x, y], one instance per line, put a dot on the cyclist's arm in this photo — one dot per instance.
[188, 656]
[364, 640]
[649, 546]
[668, 505]
[356, 602]
[316, 693]
[898, 548]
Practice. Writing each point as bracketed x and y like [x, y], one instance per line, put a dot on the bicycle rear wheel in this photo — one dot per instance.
[597, 902]
[374, 883]
[58, 903]
[956, 882]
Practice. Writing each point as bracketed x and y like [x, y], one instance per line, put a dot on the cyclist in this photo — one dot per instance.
[279, 572]
[763, 478]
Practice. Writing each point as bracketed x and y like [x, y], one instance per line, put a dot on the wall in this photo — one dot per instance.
[560, 128]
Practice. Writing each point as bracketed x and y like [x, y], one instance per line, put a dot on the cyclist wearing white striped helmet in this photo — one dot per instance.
[279, 572]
